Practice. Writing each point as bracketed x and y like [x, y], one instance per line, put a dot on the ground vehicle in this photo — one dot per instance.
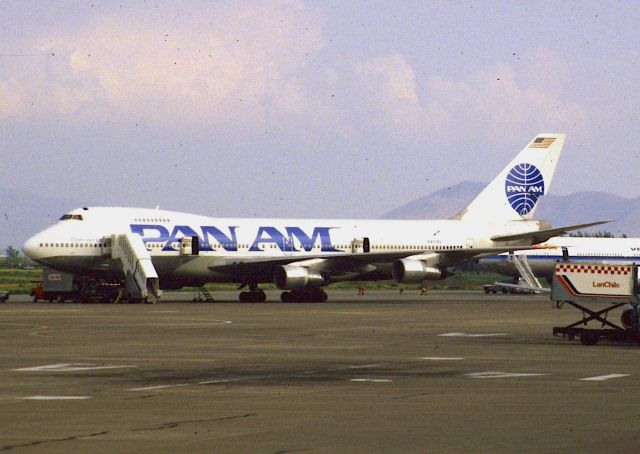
[38, 293]
[494, 288]
[505, 287]
[58, 286]
[54, 286]
[4, 296]
[578, 284]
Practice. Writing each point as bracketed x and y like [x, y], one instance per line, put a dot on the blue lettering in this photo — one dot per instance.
[273, 236]
[179, 231]
[142, 230]
[534, 189]
[229, 243]
[211, 235]
[307, 242]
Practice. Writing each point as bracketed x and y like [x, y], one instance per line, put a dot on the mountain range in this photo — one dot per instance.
[23, 213]
[577, 208]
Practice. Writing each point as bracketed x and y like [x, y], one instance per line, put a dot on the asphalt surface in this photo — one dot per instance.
[446, 372]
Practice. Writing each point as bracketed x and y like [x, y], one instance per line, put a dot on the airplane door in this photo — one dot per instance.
[185, 245]
[190, 245]
[360, 245]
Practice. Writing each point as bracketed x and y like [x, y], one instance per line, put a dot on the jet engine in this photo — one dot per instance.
[412, 271]
[289, 277]
[630, 318]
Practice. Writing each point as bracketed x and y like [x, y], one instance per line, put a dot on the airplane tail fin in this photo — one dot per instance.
[514, 193]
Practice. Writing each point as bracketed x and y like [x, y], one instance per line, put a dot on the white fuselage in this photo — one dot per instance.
[79, 242]
[587, 250]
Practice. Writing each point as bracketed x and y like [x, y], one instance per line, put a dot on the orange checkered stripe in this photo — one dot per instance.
[592, 269]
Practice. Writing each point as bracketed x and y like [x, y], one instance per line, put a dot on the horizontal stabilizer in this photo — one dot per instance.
[540, 236]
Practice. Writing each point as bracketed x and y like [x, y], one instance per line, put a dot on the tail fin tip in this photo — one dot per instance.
[513, 194]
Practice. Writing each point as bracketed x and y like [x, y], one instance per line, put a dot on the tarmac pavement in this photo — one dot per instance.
[386, 372]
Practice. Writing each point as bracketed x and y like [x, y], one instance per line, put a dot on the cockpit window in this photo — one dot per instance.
[77, 217]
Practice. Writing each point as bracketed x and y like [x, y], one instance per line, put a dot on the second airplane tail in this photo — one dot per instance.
[513, 195]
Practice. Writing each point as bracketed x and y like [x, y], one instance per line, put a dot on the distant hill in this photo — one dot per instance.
[577, 208]
[441, 204]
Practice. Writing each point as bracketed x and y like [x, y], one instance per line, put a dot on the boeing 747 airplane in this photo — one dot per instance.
[146, 250]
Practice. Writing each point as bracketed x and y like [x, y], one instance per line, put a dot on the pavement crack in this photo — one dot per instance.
[174, 424]
[55, 440]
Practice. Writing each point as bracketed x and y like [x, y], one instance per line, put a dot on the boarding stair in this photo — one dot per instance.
[522, 265]
[141, 278]
[202, 295]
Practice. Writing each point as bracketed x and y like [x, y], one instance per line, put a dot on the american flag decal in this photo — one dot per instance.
[542, 142]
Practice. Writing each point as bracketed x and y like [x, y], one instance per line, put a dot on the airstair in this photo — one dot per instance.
[522, 265]
[141, 278]
[202, 295]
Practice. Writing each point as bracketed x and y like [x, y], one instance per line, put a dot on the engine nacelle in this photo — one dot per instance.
[407, 271]
[629, 318]
[291, 277]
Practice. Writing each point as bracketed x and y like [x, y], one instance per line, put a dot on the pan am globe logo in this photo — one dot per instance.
[523, 186]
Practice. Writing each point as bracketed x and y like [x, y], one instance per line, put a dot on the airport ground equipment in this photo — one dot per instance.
[55, 286]
[140, 283]
[202, 295]
[514, 289]
[522, 265]
[578, 284]
[524, 284]
[62, 287]
[494, 288]
[141, 278]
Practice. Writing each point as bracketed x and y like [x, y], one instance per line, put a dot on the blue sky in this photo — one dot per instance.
[323, 109]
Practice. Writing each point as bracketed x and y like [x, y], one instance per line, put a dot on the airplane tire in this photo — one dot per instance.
[253, 297]
[304, 296]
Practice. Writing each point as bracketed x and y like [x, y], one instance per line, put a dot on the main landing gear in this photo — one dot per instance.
[312, 295]
[308, 295]
[254, 295]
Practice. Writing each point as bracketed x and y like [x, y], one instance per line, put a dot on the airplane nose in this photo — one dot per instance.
[31, 247]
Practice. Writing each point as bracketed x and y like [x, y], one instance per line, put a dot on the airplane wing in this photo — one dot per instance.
[361, 262]
[540, 236]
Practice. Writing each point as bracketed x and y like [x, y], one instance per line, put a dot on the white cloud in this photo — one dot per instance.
[495, 101]
[214, 68]
[244, 66]
[390, 89]
[504, 104]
